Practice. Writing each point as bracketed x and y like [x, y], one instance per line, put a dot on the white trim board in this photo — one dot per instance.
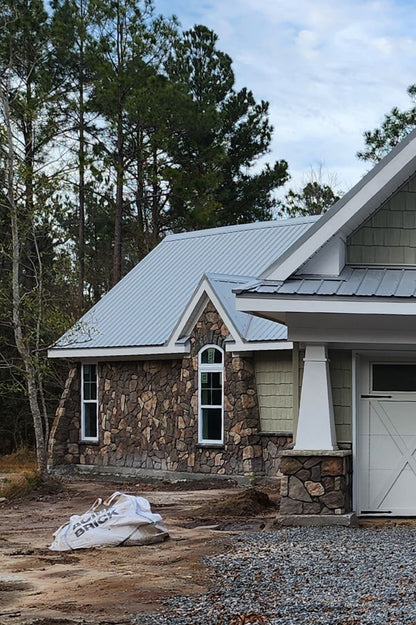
[140, 352]
[361, 306]
[117, 352]
[194, 309]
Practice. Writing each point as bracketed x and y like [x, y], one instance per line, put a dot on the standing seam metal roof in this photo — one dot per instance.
[352, 282]
[144, 307]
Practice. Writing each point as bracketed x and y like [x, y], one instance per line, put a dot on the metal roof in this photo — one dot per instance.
[144, 308]
[352, 282]
[249, 327]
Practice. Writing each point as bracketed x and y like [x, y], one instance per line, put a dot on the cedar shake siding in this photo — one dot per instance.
[274, 390]
[388, 237]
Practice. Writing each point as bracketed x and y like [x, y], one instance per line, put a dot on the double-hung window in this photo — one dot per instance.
[211, 395]
[89, 403]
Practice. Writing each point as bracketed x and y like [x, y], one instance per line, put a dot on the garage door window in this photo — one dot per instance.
[394, 377]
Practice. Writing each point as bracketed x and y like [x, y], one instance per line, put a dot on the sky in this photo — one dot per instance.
[330, 69]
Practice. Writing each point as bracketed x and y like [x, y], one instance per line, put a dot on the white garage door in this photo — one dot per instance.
[386, 439]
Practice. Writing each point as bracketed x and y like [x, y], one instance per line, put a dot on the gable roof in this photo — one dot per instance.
[350, 211]
[143, 309]
[220, 290]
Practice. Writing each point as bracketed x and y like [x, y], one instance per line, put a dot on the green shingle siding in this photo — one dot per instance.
[340, 369]
[388, 237]
[274, 390]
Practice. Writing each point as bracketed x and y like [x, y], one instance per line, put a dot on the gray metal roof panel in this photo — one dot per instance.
[223, 287]
[389, 283]
[250, 328]
[144, 307]
[407, 285]
[265, 330]
[370, 282]
[352, 282]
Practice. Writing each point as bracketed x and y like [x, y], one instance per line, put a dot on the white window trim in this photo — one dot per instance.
[92, 439]
[210, 368]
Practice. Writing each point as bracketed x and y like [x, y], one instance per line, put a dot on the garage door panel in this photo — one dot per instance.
[390, 496]
[400, 415]
[386, 447]
[377, 417]
[384, 452]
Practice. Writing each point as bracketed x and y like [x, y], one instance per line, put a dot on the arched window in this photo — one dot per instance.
[211, 395]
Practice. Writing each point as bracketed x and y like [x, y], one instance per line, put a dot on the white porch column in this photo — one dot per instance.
[316, 426]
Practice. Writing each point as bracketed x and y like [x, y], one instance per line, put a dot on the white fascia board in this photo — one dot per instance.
[269, 304]
[353, 336]
[336, 221]
[194, 310]
[117, 352]
[258, 346]
[162, 352]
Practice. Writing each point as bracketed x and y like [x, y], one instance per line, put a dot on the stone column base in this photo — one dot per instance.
[316, 482]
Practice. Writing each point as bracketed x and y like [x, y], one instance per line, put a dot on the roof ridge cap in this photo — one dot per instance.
[256, 225]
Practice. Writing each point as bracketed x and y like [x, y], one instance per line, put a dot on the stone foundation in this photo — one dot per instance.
[316, 483]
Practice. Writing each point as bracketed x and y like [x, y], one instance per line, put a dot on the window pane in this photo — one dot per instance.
[216, 397]
[90, 391]
[90, 373]
[394, 377]
[211, 424]
[90, 382]
[211, 388]
[216, 380]
[90, 420]
[211, 355]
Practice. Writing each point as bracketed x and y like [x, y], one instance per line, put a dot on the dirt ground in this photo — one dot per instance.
[112, 585]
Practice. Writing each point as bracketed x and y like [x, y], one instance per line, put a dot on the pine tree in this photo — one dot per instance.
[396, 126]
[222, 136]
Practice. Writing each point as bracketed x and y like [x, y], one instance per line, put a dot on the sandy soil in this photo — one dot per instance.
[111, 585]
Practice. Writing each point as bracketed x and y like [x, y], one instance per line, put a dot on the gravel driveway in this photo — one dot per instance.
[331, 575]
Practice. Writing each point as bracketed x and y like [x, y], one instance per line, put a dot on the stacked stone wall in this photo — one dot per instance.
[273, 445]
[316, 484]
[65, 431]
[148, 415]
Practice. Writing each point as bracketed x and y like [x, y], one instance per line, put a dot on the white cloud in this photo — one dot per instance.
[330, 69]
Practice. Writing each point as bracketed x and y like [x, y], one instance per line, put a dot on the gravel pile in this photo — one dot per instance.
[296, 576]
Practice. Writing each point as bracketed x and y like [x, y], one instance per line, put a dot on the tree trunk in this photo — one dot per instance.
[22, 343]
[119, 159]
[81, 170]
[81, 201]
[119, 209]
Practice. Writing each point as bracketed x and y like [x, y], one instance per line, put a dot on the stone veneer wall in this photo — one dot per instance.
[65, 431]
[148, 415]
[316, 484]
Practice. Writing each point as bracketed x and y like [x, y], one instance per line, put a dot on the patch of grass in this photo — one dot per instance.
[19, 484]
[23, 459]
[18, 473]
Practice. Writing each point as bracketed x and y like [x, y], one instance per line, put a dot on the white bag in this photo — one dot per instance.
[119, 520]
